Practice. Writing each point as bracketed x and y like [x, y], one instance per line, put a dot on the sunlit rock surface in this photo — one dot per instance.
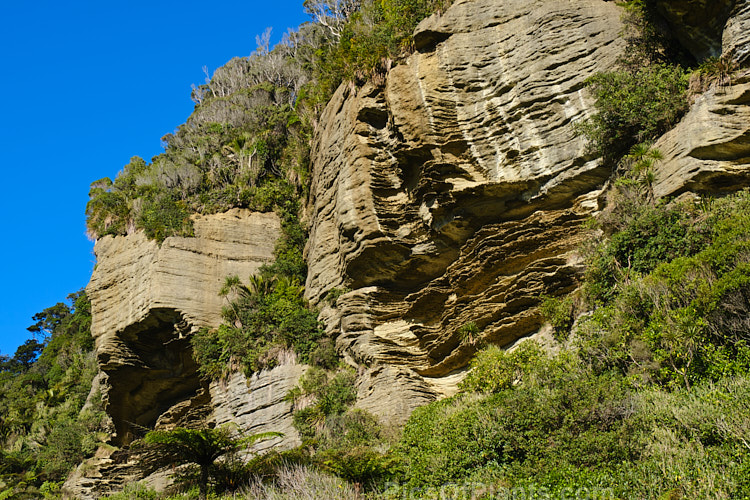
[708, 152]
[146, 300]
[453, 193]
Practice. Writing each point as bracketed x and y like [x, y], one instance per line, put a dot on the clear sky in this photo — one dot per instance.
[86, 85]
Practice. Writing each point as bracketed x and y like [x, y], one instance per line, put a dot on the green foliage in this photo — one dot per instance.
[558, 415]
[330, 393]
[494, 369]
[559, 313]
[135, 491]
[334, 293]
[359, 465]
[634, 107]
[262, 320]
[646, 96]
[365, 42]
[163, 216]
[199, 446]
[468, 332]
[645, 239]
[43, 432]
[343, 440]
[673, 289]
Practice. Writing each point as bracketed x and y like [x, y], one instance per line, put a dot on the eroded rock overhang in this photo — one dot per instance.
[147, 299]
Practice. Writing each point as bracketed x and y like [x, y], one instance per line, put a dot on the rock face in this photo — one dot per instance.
[451, 195]
[698, 24]
[445, 203]
[708, 152]
[259, 404]
[736, 37]
[146, 300]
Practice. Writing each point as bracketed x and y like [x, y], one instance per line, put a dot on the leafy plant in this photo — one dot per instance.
[494, 369]
[43, 431]
[468, 332]
[634, 107]
[559, 313]
[199, 446]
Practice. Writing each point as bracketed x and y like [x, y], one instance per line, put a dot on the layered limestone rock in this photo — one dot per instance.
[708, 152]
[736, 36]
[451, 195]
[698, 24]
[259, 404]
[146, 300]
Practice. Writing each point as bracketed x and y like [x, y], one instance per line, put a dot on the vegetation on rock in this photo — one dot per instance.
[645, 96]
[201, 447]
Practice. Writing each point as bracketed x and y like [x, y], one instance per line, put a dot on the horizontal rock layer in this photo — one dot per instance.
[708, 152]
[453, 193]
[148, 298]
[259, 404]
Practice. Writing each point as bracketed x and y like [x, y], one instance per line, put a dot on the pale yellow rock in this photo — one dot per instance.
[735, 39]
[134, 274]
[147, 299]
[454, 192]
[259, 404]
[708, 152]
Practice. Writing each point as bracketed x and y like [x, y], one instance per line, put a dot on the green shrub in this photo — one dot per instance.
[563, 416]
[261, 321]
[359, 464]
[43, 432]
[634, 107]
[468, 332]
[162, 216]
[495, 369]
[652, 235]
[333, 393]
[558, 312]
[675, 315]
[646, 96]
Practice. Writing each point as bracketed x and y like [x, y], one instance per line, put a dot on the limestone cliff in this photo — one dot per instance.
[146, 300]
[452, 193]
[708, 152]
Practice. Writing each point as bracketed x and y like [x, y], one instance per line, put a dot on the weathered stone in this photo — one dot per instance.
[735, 40]
[147, 299]
[697, 24]
[454, 192]
[708, 152]
[259, 404]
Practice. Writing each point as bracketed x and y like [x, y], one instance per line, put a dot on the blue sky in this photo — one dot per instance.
[86, 85]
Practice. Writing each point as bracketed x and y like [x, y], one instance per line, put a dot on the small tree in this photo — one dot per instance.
[200, 446]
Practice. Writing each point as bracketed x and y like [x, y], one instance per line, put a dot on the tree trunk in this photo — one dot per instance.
[203, 485]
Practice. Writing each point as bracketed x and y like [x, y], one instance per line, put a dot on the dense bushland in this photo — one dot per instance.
[45, 430]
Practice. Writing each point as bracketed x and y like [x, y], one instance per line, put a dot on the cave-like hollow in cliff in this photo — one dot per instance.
[155, 374]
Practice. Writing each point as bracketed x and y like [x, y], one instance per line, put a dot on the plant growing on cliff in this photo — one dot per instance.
[261, 320]
[634, 107]
[199, 446]
[645, 96]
